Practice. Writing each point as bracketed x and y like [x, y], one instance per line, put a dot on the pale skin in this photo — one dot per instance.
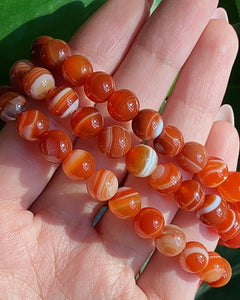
[48, 246]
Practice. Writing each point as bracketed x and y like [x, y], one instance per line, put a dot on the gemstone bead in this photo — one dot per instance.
[55, 145]
[169, 142]
[37, 48]
[62, 101]
[148, 223]
[78, 165]
[231, 243]
[126, 203]
[190, 196]
[166, 178]
[86, 122]
[148, 124]
[230, 188]
[226, 276]
[37, 82]
[75, 69]
[193, 157]
[123, 105]
[230, 227]
[17, 72]
[235, 206]
[171, 241]
[6, 88]
[31, 124]
[114, 141]
[141, 160]
[102, 185]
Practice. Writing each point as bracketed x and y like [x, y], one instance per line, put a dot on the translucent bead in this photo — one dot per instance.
[37, 48]
[114, 141]
[148, 124]
[141, 160]
[148, 223]
[226, 276]
[31, 124]
[126, 203]
[102, 185]
[231, 243]
[78, 165]
[171, 241]
[37, 82]
[190, 195]
[230, 188]
[55, 146]
[166, 178]
[17, 72]
[230, 227]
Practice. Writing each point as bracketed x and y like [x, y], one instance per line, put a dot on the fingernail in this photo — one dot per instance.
[226, 113]
[220, 13]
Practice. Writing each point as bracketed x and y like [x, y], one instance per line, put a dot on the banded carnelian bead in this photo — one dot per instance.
[230, 188]
[230, 227]
[231, 243]
[126, 203]
[148, 223]
[37, 48]
[226, 276]
[6, 88]
[17, 72]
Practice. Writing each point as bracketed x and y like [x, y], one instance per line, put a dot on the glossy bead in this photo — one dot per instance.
[37, 48]
[166, 178]
[126, 203]
[171, 241]
[193, 157]
[235, 206]
[55, 146]
[37, 82]
[75, 69]
[17, 72]
[62, 101]
[148, 223]
[226, 276]
[231, 243]
[148, 124]
[213, 211]
[102, 185]
[31, 124]
[78, 165]
[141, 160]
[190, 196]
[114, 141]
[230, 188]
[86, 122]
[169, 142]
[230, 227]
[194, 258]
[99, 86]
[123, 105]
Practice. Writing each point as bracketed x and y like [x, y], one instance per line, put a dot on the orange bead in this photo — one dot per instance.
[235, 206]
[126, 203]
[231, 243]
[190, 195]
[99, 86]
[226, 276]
[141, 160]
[123, 105]
[193, 157]
[102, 185]
[17, 72]
[114, 141]
[75, 69]
[37, 48]
[86, 122]
[148, 223]
[169, 142]
[230, 227]
[6, 88]
[78, 165]
[230, 188]
[55, 146]
[148, 124]
[31, 124]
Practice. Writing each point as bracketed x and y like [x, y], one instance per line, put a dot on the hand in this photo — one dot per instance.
[49, 248]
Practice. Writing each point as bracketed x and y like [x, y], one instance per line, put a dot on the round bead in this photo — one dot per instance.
[75, 69]
[193, 157]
[231, 243]
[230, 227]
[194, 258]
[102, 185]
[141, 160]
[86, 122]
[37, 48]
[62, 101]
[230, 188]
[126, 203]
[213, 211]
[99, 86]
[190, 195]
[6, 88]
[169, 142]
[17, 72]
[148, 124]
[235, 206]
[78, 165]
[171, 241]
[37, 82]
[114, 141]
[166, 178]
[55, 146]
[226, 276]
[31, 124]
[148, 223]
[123, 105]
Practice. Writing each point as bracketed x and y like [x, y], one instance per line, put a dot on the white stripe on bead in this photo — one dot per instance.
[209, 208]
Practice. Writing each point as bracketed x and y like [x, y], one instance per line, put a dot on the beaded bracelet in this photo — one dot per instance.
[219, 210]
